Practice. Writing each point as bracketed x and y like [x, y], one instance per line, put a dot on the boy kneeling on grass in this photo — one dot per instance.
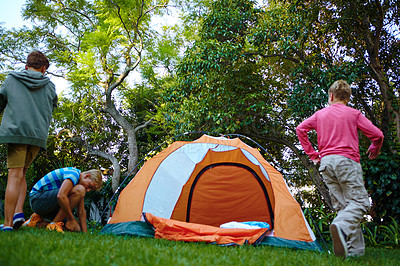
[55, 196]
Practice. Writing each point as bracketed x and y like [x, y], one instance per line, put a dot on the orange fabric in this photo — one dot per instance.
[214, 204]
[224, 193]
[289, 221]
[130, 202]
[192, 232]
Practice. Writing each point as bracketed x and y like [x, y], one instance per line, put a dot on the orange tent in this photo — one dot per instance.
[211, 181]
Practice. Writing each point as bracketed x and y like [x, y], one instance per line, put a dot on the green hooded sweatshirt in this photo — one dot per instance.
[28, 99]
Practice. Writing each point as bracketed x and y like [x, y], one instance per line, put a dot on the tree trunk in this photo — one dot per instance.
[312, 169]
[116, 177]
[372, 41]
[317, 180]
[133, 152]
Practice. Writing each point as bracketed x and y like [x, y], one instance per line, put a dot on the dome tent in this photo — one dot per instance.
[208, 182]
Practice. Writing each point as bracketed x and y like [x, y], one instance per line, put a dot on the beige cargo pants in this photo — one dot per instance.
[344, 179]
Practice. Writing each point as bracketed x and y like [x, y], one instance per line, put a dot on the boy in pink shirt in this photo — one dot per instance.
[337, 132]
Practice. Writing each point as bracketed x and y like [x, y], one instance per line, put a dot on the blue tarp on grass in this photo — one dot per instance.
[142, 229]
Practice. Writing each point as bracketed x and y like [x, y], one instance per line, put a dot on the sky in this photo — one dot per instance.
[11, 17]
[11, 13]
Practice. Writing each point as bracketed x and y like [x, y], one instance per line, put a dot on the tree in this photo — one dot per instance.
[367, 27]
[96, 46]
[227, 83]
[262, 74]
[355, 41]
[365, 34]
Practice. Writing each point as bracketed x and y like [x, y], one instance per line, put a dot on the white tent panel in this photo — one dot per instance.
[256, 162]
[172, 174]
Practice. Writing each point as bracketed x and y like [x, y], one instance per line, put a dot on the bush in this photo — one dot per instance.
[319, 219]
[391, 233]
[375, 235]
[382, 180]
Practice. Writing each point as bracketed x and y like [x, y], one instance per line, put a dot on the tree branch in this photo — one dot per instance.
[91, 151]
[80, 13]
[143, 125]
[312, 169]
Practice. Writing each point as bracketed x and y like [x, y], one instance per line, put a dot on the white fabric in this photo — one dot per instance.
[172, 174]
[244, 225]
[256, 162]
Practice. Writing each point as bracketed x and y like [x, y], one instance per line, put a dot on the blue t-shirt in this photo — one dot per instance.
[54, 179]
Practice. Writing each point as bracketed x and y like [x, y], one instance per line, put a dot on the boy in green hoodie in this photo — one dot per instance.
[28, 99]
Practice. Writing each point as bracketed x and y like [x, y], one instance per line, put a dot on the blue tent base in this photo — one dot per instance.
[135, 228]
[142, 229]
[281, 242]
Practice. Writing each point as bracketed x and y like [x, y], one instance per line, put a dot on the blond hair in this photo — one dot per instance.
[341, 90]
[96, 176]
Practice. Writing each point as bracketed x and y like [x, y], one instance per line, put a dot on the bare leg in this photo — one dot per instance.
[75, 196]
[21, 195]
[15, 177]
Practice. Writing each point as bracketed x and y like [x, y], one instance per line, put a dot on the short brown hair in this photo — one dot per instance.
[96, 176]
[37, 59]
[341, 90]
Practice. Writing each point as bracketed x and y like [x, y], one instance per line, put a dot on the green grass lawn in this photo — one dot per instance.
[31, 246]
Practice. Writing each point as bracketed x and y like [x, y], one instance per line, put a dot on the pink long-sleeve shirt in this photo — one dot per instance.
[337, 132]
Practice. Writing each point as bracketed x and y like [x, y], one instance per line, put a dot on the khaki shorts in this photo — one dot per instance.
[21, 155]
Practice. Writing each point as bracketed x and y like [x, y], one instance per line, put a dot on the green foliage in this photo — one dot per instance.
[96, 45]
[328, 40]
[216, 77]
[382, 235]
[235, 81]
[391, 233]
[319, 219]
[371, 233]
[375, 235]
[306, 98]
[382, 180]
